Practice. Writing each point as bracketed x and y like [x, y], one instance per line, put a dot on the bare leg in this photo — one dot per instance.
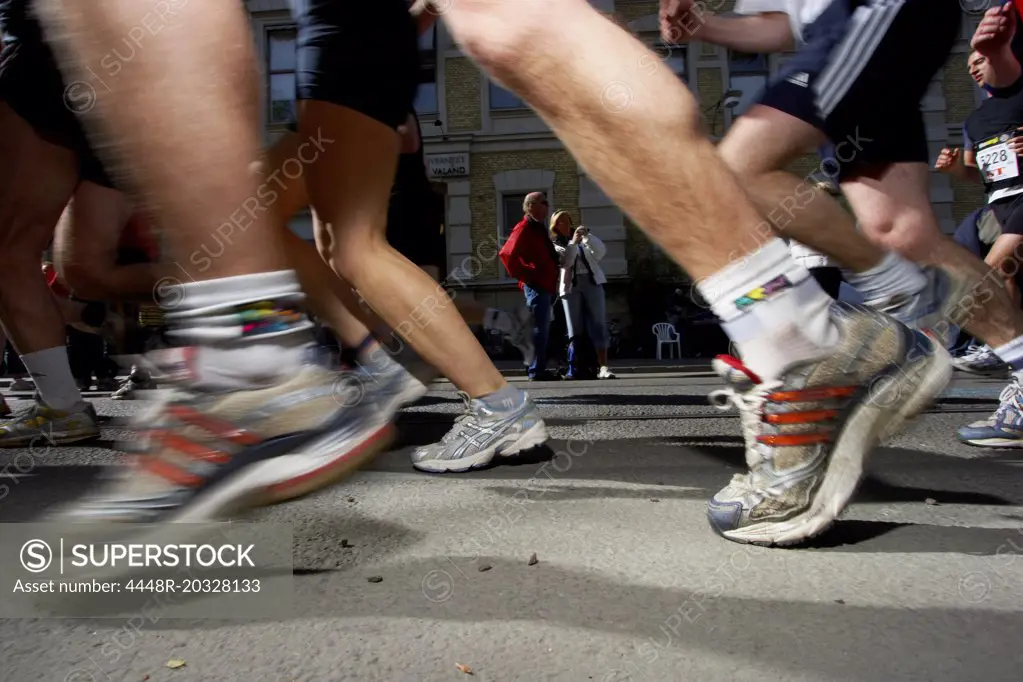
[759, 143]
[85, 247]
[895, 210]
[194, 195]
[612, 82]
[36, 181]
[352, 198]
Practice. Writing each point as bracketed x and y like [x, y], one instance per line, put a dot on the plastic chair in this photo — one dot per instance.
[666, 334]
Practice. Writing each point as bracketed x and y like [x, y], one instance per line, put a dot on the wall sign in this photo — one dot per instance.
[447, 165]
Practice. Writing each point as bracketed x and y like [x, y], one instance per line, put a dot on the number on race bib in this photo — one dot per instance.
[998, 162]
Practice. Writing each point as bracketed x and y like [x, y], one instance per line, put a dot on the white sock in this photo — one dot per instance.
[772, 308]
[51, 372]
[249, 330]
[893, 276]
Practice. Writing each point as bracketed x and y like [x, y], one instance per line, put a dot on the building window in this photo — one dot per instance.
[426, 97]
[503, 100]
[281, 72]
[748, 76]
[511, 210]
[511, 214]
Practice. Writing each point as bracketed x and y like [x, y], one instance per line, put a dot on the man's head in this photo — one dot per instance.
[979, 68]
[535, 206]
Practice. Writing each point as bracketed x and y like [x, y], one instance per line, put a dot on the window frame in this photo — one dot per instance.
[655, 44]
[268, 31]
[428, 64]
[491, 85]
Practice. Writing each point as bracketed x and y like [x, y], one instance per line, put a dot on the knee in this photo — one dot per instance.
[493, 34]
[912, 233]
[88, 283]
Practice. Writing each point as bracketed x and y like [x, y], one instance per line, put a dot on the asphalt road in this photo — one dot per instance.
[922, 579]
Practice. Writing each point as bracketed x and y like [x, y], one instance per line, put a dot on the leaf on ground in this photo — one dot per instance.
[464, 668]
[175, 663]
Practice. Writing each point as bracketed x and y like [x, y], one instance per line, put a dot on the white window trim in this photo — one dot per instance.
[519, 182]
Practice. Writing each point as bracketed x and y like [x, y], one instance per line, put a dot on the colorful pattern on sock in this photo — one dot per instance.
[777, 284]
[267, 317]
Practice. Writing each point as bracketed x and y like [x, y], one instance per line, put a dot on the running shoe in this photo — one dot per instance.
[981, 359]
[937, 310]
[207, 456]
[40, 424]
[606, 373]
[22, 385]
[809, 433]
[1004, 428]
[481, 434]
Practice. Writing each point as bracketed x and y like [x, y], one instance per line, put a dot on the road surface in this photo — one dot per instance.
[922, 579]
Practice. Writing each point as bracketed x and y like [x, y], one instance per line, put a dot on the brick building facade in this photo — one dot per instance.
[486, 150]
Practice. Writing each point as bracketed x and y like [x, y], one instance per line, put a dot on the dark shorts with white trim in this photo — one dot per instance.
[861, 76]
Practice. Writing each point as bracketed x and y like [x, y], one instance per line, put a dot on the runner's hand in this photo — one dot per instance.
[995, 30]
[948, 159]
[1016, 143]
[676, 25]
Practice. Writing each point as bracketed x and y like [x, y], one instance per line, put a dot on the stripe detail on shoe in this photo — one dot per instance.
[811, 417]
[219, 429]
[159, 466]
[794, 439]
[194, 450]
[812, 394]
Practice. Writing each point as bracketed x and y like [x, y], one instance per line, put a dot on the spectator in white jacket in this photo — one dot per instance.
[581, 288]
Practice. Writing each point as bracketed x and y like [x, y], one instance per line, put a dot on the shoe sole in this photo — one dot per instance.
[534, 437]
[869, 423]
[49, 441]
[1002, 443]
[261, 485]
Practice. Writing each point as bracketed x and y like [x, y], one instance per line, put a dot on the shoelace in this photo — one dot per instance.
[462, 421]
[1011, 398]
[751, 409]
[974, 353]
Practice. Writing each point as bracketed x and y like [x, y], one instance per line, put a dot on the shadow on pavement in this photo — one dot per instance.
[795, 639]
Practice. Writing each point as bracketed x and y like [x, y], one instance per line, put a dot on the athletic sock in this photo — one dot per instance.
[504, 400]
[893, 276]
[248, 331]
[51, 372]
[772, 308]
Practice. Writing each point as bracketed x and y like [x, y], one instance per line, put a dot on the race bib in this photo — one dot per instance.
[998, 162]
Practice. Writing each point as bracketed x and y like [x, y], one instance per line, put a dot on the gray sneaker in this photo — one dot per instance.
[481, 434]
[38, 423]
[937, 310]
[809, 433]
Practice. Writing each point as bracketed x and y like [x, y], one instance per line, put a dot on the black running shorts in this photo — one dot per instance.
[359, 54]
[31, 84]
[1008, 214]
[860, 78]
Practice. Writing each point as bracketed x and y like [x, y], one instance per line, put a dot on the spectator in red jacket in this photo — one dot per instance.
[529, 256]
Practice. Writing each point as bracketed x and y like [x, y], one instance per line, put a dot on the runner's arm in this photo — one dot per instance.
[967, 168]
[760, 33]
